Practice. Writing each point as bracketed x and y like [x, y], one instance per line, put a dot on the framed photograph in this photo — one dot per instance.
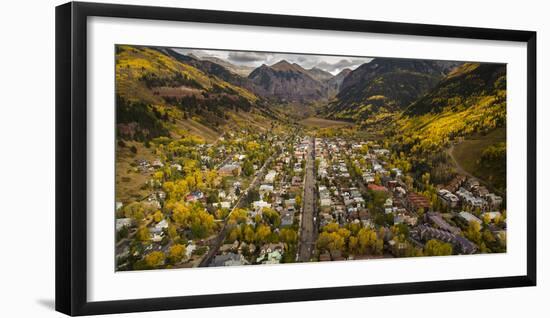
[208, 158]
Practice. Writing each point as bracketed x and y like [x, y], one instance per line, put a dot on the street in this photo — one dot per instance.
[308, 230]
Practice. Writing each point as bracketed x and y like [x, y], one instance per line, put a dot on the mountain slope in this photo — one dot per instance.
[334, 84]
[287, 83]
[240, 70]
[319, 74]
[156, 92]
[385, 85]
[471, 99]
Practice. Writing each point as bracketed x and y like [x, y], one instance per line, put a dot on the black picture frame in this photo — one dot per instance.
[71, 157]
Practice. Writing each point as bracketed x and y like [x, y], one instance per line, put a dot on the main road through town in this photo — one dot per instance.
[308, 229]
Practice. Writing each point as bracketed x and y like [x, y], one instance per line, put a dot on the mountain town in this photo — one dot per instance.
[221, 162]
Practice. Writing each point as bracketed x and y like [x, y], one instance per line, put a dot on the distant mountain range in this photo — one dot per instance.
[386, 83]
[288, 82]
[162, 85]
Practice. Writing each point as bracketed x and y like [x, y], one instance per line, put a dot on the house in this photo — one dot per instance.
[417, 201]
[230, 169]
[296, 181]
[229, 259]
[491, 215]
[469, 217]
[194, 196]
[266, 188]
[159, 227]
[427, 233]
[468, 199]
[437, 219]
[368, 177]
[124, 222]
[400, 192]
[176, 166]
[261, 204]
[290, 203]
[375, 187]
[494, 200]
[157, 163]
[287, 219]
[325, 203]
[270, 176]
[448, 198]
[190, 248]
[223, 205]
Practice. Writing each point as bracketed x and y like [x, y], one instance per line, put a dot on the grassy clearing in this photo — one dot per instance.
[315, 122]
[468, 154]
[128, 180]
[198, 129]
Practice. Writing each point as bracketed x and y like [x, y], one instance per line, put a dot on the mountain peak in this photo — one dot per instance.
[284, 65]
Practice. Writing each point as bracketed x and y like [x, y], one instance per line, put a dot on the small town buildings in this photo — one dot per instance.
[491, 215]
[437, 219]
[261, 204]
[157, 163]
[194, 196]
[124, 222]
[229, 259]
[270, 176]
[230, 169]
[265, 189]
[448, 198]
[416, 201]
[494, 200]
[375, 187]
[287, 218]
[469, 199]
[464, 245]
[223, 205]
[469, 217]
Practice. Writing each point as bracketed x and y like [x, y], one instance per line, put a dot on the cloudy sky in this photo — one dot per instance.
[332, 64]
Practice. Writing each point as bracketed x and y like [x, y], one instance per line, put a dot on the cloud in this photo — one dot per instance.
[335, 67]
[246, 57]
[331, 64]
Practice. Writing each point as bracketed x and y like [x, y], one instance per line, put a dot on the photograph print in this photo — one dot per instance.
[237, 158]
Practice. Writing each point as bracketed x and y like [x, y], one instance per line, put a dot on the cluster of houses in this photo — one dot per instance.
[341, 196]
[340, 200]
[278, 190]
[469, 193]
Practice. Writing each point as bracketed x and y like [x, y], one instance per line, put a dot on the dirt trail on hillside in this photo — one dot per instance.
[461, 170]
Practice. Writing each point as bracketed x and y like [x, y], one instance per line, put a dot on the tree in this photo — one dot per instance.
[353, 245]
[158, 216]
[154, 259]
[298, 201]
[271, 216]
[437, 248]
[137, 210]
[234, 234]
[143, 234]
[248, 168]
[330, 241]
[172, 231]
[368, 242]
[262, 233]
[473, 232]
[289, 236]
[176, 253]
[248, 234]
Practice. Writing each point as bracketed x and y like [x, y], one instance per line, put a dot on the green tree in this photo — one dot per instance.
[437, 248]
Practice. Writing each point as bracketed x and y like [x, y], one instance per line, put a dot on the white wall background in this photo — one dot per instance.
[27, 157]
